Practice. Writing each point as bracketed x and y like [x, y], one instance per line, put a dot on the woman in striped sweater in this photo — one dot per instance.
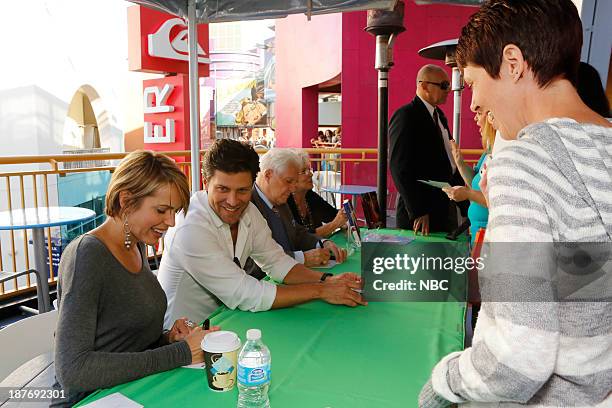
[537, 343]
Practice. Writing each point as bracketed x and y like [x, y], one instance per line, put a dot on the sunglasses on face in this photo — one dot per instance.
[444, 85]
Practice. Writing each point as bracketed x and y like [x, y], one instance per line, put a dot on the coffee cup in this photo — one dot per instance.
[221, 359]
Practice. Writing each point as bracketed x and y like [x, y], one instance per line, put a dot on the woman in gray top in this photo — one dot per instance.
[111, 307]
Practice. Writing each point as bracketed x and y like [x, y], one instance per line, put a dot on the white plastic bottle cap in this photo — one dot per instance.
[253, 334]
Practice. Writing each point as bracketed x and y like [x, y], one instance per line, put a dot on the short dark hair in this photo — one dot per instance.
[230, 156]
[548, 32]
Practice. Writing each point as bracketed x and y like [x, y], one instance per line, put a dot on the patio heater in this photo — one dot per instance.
[385, 26]
[445, 50]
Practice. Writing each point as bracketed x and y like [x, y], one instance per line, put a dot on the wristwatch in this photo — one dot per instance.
[325, 275]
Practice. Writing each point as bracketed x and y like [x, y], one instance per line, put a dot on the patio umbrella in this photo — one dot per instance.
[455, 2]
[217, 11]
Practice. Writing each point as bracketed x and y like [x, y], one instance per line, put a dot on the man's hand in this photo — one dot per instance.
[421, 224]
[339, 253]
[347, 276]
[316, 257]
[457, 193]
[342, 290]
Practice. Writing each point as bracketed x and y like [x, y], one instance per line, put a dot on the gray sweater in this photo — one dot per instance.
[110, 323]
[552, 185]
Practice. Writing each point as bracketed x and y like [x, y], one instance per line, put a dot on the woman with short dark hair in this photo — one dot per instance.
[544, 334]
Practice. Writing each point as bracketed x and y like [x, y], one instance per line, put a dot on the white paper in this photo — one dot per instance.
[437, 184]
[330, 264]
[115, 400]
[199, 366]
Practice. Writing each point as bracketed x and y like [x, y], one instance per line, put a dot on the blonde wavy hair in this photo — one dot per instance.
[141, 174]
[487, 134]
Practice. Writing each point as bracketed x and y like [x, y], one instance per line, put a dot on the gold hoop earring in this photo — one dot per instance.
[127, 234]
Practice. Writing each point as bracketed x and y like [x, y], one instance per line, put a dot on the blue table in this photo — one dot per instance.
[350, 189]
[37, 219]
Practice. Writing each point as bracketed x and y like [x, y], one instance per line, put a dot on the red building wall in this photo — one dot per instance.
[425, 25]
[308, 53]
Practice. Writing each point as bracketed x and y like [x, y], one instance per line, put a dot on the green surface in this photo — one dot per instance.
[326, 356]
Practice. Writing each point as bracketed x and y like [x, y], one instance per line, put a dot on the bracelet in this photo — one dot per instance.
[325, 275]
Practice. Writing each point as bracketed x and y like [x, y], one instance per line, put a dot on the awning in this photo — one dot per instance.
[218, 11]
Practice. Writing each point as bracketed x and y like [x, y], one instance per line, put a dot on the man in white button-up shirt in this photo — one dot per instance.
[206, 250]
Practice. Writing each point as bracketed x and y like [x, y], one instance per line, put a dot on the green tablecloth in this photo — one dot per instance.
[326, 356]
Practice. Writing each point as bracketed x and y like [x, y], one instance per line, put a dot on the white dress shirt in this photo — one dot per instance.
[444, 132]
[198, 273]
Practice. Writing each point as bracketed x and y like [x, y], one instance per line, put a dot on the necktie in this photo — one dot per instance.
[447, 147]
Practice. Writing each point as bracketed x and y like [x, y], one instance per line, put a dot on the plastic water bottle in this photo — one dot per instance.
[253, 372]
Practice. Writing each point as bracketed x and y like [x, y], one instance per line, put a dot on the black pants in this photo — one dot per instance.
[442, 217]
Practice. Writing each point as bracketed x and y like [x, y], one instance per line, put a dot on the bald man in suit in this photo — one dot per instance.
[420, 149]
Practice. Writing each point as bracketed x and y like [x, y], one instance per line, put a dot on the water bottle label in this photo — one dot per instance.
[253, 376]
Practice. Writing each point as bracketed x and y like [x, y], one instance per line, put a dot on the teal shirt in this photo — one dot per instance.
[477, 214]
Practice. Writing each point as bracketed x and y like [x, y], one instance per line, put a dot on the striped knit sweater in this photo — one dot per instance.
[554, 184]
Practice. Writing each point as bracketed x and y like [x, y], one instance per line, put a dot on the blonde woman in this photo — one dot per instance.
[478, 214]
[310, 209]
[111, 307]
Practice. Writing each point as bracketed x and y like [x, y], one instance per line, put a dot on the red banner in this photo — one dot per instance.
[157, 42]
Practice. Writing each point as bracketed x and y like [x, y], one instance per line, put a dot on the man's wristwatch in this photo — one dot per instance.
[325, 275]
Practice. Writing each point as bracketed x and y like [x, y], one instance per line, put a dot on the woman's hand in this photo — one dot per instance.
[180, 329]
[483, 184]
[340, 220]
[458, 193]
[456, 154]
[194, 340]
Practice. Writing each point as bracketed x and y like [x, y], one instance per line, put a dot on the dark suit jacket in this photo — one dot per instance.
[417, 153]
[299, 237]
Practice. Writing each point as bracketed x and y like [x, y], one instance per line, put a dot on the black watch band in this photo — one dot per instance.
[325, 275]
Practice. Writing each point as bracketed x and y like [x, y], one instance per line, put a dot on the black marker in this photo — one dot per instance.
[206, 324]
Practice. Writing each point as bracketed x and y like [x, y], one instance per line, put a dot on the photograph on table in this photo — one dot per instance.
[371, 209]
[353, 227]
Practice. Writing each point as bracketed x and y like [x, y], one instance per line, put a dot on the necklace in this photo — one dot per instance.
[305, 216]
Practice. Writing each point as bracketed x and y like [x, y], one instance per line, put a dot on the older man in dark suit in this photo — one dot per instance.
[276, 180]
[420, 150]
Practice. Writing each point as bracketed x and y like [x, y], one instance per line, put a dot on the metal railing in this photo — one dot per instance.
[38, 186]
[32, 181]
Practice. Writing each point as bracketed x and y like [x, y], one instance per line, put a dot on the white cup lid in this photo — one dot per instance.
[220, 342]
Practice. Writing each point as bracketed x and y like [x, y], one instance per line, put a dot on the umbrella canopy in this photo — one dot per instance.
[456, 2]
[218, 11]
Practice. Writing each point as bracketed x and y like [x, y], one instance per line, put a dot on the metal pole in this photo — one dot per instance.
[194, 96]
[457, 88]
[40, 257]
[382, 65]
